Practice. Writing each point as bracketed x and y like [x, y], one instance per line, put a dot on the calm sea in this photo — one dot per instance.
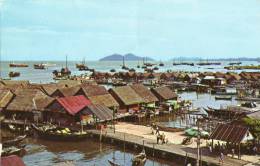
[43, 76]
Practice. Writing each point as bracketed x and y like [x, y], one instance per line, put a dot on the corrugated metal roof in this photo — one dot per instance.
[101, 111]
[12, 160]
[229, 133]
[74, 104]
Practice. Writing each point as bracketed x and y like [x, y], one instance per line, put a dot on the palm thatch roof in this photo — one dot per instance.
[94, 90]
[164, 92]
[105, 99]
[29, 100]
[126, 95]
[144, 92]
[70, 91]
[5, 98]
[69, 83]
[49, 89]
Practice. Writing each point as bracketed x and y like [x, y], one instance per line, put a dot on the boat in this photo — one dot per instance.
[82, 66]
[14, 142]
[139, 160]
[13, 151]
[14, 74]
[161, 64]
[52, 132]
[17, 65]
[39, 66]
[169, 129]
[20, 129]
[64, 73]
[235, 63]
[113, 70]
[223, 97]
[208, 63]
[155, 68]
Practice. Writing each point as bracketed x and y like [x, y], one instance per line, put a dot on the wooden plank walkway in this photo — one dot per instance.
[170, 151]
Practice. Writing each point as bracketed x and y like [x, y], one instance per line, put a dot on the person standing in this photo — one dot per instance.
[221, 158]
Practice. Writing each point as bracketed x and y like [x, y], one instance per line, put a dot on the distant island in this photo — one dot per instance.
[128, 57]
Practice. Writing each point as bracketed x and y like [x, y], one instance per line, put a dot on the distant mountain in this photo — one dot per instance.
[128, 57]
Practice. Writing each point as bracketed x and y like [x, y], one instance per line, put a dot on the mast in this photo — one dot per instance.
[66, 61]
[123, 60]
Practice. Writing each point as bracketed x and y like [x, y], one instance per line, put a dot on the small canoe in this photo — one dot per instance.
[223, 97]
[14, 74]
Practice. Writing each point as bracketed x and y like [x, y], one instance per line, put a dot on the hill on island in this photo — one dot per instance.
[128, 57]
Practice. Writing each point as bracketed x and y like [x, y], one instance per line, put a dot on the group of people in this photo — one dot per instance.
[159, 137]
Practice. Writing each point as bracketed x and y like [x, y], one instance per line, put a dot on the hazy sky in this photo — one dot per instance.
[162, 29]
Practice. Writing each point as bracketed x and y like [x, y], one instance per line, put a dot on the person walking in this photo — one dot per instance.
[221, 159]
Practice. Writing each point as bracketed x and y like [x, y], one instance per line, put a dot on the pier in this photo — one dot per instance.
[169, 151]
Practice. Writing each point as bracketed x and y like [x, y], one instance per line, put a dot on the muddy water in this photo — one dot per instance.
[89, 152]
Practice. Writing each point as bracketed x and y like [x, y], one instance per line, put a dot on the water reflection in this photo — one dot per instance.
[89, 152]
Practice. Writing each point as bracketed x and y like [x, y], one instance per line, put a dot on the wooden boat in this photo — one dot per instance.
[155, 68]
[223, 97]
[139, 160]
[132, 70]
[14, 74]
[169, 129]
[208, 63]
[39, 66]
[59, 133]
[112, 70]
[248, 99]
[112, 163]
[235, 63]
[17, 65]
[13, 151]
[13, 142]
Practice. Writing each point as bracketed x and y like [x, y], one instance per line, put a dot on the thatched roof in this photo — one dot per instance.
[5, 97]
[29, 100]
[14, 82]
[105, 99]
[94, 90]
[144, 92]
[70, 91]
[127, 95]
[49, 89]
[164, 93]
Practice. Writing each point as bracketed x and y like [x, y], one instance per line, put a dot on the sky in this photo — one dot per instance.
[161, 29]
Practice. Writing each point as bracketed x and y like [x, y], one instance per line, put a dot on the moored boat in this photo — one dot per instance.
[13, 151]
[14, 74]
[39, 66]
[17, 65]
[59, 133]
[223, 97]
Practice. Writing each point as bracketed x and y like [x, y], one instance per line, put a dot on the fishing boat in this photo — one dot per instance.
[52, 132]
[82, 66]
[235, 63]
[113, 70]
[14, 142]
[223, 97]
[17, 65]
[169, 129]
[39, 66]
[156, 68]
[139, 160]
[14, 74]
[64, 73]
[161, 64]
